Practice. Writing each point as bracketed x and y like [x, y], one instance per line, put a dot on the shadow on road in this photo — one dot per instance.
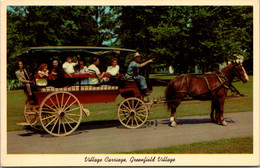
[86, 126]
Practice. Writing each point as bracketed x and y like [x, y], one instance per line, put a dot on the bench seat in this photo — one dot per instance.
[78, 88]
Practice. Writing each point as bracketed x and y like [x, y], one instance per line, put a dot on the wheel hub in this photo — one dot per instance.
[132, 112]
[61, 113]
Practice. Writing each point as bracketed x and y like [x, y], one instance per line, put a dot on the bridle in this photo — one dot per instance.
[238, 74]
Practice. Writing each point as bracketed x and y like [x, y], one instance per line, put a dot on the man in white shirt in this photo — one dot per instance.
[68, 66]
[93, 67]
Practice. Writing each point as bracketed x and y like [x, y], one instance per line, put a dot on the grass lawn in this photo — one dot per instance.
[233, 146]
[108, 111]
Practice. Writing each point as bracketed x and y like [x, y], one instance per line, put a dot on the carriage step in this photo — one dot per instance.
[23, 124]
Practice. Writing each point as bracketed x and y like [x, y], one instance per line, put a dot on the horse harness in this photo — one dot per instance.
[224, 82]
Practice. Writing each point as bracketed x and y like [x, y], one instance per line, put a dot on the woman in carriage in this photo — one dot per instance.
[93, 67]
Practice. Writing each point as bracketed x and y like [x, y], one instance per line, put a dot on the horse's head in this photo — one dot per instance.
[240, 71]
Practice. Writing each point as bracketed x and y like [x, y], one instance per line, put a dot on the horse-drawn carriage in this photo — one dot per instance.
[59, 110]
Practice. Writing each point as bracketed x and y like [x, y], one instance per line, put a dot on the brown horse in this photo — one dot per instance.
[212, 86]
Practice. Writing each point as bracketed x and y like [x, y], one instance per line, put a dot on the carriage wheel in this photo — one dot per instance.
[132, 113]
[31, 114]
[60, 113]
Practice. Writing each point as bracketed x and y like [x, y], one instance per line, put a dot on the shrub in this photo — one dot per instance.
[14, 84]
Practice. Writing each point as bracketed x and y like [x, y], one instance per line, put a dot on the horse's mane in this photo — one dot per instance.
[227, 67]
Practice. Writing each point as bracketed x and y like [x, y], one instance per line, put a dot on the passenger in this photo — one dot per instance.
[26, 78]
[43, 73]
[133, 71]
[82, 69]
[113, 70]
[58, 72]
[43, 70]
[93, 67]
[68, 66]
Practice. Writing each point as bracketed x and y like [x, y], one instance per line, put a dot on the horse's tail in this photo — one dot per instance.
[169, 92]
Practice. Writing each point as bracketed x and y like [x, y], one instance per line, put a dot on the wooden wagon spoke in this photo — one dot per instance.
[64, 126]
[126, 107]
[125, 118]
[53, 103]
[59, 127]
[57, 100]
[141, 115]
[77, 115]
[50, 107]
[66, 102]
[129, 104]
[68, 123]
[132, 123]
[128, 121]
[139, 108]
[136, 121]
[72, 109]
[54, 125]
[51, 121]
[71, 118]
[139, 118]
[49, 112]
[69, 105]
[137, 104]
[61, 105]
[48, 117]
[141, 111]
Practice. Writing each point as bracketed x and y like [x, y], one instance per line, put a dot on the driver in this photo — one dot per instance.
[133, 71]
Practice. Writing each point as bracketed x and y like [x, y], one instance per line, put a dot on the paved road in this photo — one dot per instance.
[113, 138]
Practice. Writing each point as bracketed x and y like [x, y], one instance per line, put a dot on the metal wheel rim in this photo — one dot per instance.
[132, 113]
[61, 120]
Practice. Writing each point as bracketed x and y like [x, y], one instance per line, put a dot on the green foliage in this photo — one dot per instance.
[14, 84]
[33, 26]
[182, 36]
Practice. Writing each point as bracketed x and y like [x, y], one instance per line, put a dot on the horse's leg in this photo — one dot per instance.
[173, 111]
[220, 111]
[213, 111]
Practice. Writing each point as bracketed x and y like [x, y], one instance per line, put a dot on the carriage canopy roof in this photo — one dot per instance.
[95, 51]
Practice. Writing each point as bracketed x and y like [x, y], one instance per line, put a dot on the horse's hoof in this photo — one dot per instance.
[173, 124]
[223, 123]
